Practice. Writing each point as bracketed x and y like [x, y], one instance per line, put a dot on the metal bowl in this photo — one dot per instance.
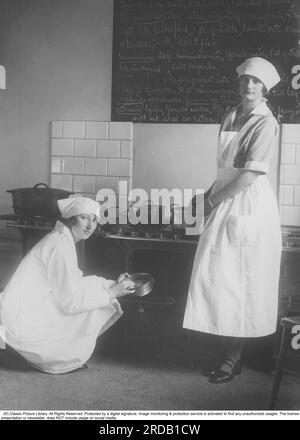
[143, 282]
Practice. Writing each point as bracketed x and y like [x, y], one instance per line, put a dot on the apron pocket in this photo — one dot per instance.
[242, 230]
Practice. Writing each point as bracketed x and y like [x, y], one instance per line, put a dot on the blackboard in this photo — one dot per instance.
[174, 61]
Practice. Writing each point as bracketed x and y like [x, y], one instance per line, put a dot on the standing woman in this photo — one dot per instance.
[233, 290]
[49, 312]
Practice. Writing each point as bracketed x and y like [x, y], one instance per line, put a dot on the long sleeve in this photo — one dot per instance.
[74, 292]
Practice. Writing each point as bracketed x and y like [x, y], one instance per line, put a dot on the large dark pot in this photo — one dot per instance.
[37, 201]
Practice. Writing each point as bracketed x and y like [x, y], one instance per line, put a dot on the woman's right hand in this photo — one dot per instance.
[117, 290]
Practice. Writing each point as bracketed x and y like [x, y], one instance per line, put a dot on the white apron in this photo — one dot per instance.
[234, 284]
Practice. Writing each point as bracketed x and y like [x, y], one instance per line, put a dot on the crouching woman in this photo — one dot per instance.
[50, 313]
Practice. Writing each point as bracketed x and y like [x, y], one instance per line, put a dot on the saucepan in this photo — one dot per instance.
[143, 282]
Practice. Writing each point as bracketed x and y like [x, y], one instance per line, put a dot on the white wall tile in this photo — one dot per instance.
[297, 147]
[122, 202]
[120, 130]
[73, 165]
[126, 149]
[85, 194]
[96, 130]
[108, 148]
[291, 133]
[288, 154]
[62, 147]
[56, 129]
[107, 183]
[290, 174]
[290, 215]
[286, 195]
[297, 195]
[73, 129]
[122, 189]
[95, 166]
[61, 181]
[84, 184]
[120, 167]
[56, 164]
[85, 147]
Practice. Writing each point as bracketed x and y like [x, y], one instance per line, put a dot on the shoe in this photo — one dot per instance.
[83, 367]
[221, 376]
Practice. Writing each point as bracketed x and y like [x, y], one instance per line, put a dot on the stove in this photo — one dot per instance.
[150, 232]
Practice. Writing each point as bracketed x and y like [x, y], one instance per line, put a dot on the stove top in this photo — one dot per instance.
[29, 221]
[146, 231]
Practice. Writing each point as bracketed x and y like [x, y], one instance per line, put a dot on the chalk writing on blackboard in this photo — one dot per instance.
[174, 61]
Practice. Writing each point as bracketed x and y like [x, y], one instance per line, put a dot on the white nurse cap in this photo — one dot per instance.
[261, 69]
[78, 205]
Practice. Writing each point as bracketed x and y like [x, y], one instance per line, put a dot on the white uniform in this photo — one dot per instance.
[234, 284]
[49, 312]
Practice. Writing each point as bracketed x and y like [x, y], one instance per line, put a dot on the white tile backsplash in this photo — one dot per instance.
[107, 183]
[73, 165]
[126, 149]
[286, 195]
[95, 166]
[297, 147]
[62, 147]
[56, 129]
[288, 154]
[90, 155]
[290, 175]
[56, 164]
[290, 215]
[291, 133]
[108, 149]
[84, 184]
[62, 181]
[120, 167]
[96, 130]
[73, 129]
[120, 130]
[125, 189]
[297, 195]
[85, 147]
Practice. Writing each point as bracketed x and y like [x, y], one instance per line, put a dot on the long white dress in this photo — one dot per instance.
[234, 284]
[49, 312]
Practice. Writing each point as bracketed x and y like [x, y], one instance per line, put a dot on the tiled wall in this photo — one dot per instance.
[290, 175]
[87, 156]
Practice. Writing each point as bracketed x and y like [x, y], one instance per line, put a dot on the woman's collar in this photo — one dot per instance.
[63, 229]
[260, 109]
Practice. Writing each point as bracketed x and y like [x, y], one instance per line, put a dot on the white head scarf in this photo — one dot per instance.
[261, 69]
[78, 205]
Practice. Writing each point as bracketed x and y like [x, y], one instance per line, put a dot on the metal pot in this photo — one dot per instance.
[37, 201]
[143, 282]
